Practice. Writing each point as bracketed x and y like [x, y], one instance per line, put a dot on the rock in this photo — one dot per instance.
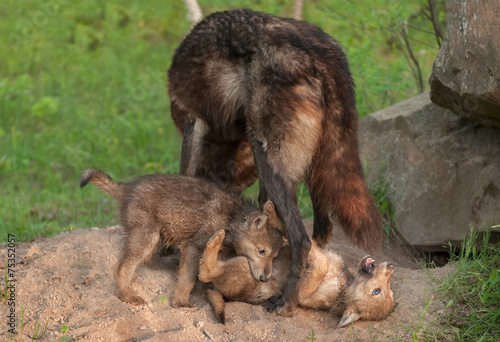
[442, 170]
[466, 73]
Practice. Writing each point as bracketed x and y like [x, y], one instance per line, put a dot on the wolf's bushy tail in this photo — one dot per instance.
[103, 181]
[336, 179]
[338, 185]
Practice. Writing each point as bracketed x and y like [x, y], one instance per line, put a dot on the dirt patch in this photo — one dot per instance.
[68, 280]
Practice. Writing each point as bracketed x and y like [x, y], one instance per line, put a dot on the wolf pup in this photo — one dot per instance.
[326, 283]
[256, 95]
[185, 212]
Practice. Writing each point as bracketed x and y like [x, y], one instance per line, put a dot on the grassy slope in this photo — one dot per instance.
[472, 293]
[82, 84]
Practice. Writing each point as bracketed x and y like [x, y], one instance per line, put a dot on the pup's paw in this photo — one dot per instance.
[134, 300]
[216, 239]
[180, 303]
[279, 306]
[268, 207]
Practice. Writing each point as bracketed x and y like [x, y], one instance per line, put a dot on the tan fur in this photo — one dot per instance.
[200, 129]
[300, 138]
[325, 284]
[185, 212]
[229, 85]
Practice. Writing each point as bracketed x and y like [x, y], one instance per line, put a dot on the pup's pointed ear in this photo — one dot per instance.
[348, 317]
[259, 222]
[274, 220]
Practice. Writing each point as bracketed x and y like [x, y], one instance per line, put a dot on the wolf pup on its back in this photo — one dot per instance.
[185, 212]
[256, 95]
[326, 284]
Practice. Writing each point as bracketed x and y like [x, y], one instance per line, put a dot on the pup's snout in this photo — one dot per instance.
[263, 278]
[390, 265]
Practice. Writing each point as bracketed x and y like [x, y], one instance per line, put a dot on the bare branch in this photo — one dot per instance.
[421, 42]
[408, 60]
[419, 29]
[435, 22]
[414, 60]
[426, 14]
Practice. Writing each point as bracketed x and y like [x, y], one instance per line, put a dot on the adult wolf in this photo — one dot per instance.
[254, 94]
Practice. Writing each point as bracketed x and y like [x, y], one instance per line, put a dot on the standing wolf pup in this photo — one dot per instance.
[326, 284]
[256, 94]
[185, 212]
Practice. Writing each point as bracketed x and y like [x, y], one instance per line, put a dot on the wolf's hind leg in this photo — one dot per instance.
[188, 272]
[283, 194]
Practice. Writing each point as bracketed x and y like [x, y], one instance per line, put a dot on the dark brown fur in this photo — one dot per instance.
[185, 212]
[256, 94]
[326, 283]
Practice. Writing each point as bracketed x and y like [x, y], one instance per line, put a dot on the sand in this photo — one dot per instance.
[67, 282]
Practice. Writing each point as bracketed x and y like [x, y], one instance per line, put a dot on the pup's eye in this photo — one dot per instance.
[261, 251]
[375, 292]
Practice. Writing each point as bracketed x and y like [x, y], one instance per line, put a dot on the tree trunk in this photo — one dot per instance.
[299, 9]
[194, 13]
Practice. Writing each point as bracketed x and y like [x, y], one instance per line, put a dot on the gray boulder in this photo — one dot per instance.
[466, 73]
[442, 170]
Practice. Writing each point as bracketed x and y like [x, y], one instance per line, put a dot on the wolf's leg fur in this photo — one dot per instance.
[188, 272]
[186, 148]
[263, 198]
[323, 226]
[216, 301]
[210, 267]
[284, 197]
[192, 146]
[138, 248]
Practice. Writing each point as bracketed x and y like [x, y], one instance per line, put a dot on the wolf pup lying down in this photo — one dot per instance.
[185, 212]
[326, 283]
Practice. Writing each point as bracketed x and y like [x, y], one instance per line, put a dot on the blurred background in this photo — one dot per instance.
[83, 84]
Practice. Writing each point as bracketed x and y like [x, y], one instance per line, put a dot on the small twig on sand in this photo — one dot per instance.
[207, 334]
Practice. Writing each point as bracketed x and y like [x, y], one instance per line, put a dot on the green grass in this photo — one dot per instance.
[86, 89]
[385, 206]
[83, 84]
[472, 293]
[312, 337]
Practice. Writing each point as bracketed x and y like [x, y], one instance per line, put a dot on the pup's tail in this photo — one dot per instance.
[103, 181]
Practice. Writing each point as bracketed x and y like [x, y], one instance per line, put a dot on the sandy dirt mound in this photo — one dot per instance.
[68, 281]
